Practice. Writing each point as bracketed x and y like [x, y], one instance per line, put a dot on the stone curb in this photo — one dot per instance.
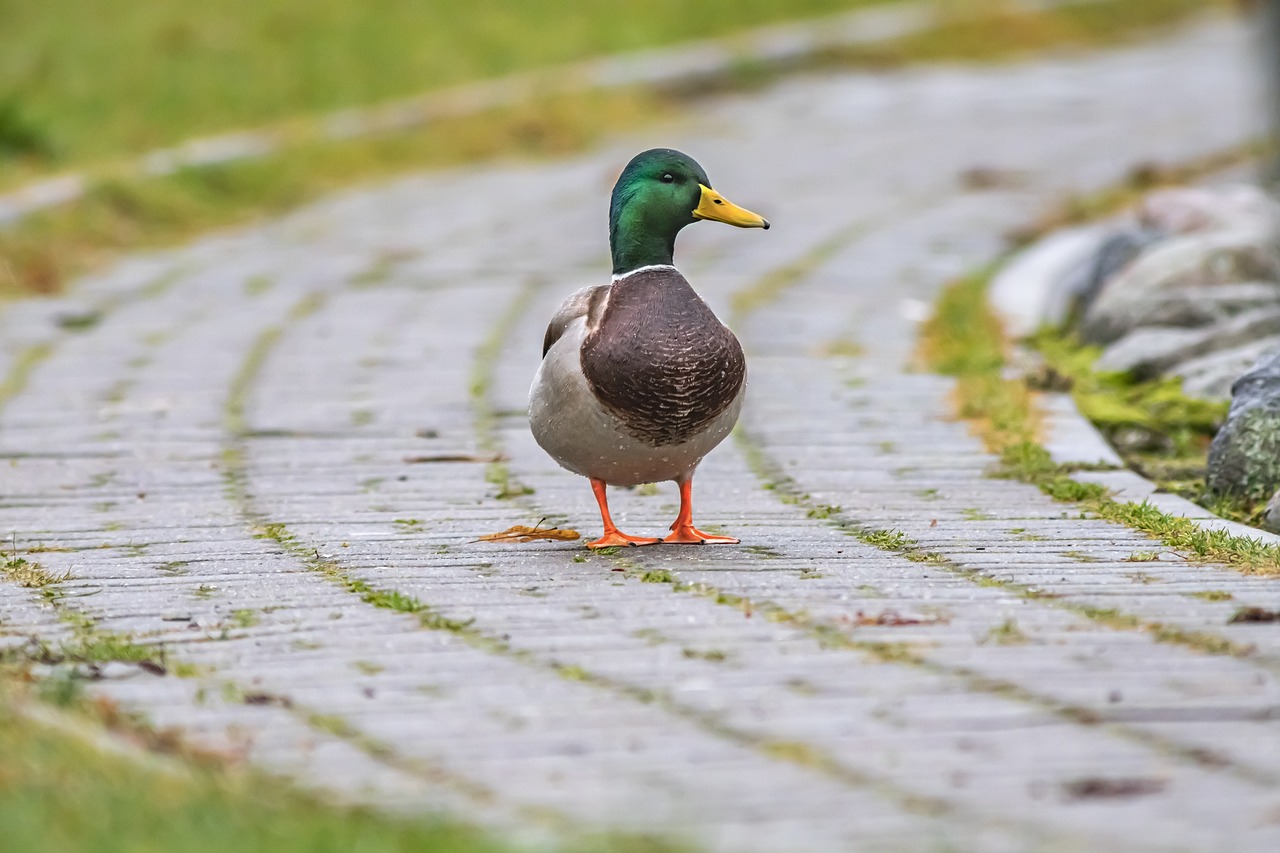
[1072, 439]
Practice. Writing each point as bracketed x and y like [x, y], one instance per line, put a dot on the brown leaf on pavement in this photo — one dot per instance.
[894, 618]
[455, 457]
[524, 533]
[1254, 614]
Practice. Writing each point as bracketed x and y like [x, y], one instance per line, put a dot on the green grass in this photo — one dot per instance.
[59, 793]
[888, 539]
[964, 339]
[1157, 410]
[59, 790]
[67, 67]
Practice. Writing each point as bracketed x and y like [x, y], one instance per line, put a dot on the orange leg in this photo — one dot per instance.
[683, 531]
[612, 535]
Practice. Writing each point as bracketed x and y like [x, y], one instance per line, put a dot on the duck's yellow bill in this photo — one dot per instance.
[714, 206]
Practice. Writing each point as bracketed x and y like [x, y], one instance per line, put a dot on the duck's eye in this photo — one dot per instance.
[668, 178]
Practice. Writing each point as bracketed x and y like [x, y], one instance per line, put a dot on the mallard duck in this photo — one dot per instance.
[639, 379]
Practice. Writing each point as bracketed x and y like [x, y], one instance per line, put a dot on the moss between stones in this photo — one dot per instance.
[964, 339]
[1159, 430]
[1161, 433]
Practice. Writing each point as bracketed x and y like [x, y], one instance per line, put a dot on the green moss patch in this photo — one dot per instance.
[1161, 433]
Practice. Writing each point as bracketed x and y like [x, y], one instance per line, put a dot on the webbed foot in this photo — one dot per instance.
[616, 538]
[687, 534]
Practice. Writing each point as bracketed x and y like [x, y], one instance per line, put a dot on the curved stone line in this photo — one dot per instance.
[85, 628]
[767, 471]
[975, 680]
[832, 636]
[236, 475]
[801, 755]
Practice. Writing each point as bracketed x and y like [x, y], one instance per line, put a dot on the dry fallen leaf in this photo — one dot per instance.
[524, 533]
[894, 618]
[1254, 614]
[455, 457]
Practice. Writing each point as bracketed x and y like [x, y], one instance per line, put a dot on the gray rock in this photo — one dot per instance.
[1244, 459]
[1143, 352]
[1186, 210]
[1217, 258]
[1055, 280]
[1078, 290]
[1272, 516]
[1155, 350]
[1035, 287]
[1210, 377]
[1201, 305]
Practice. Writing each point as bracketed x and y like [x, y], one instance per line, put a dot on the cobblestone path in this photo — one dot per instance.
[272, 452]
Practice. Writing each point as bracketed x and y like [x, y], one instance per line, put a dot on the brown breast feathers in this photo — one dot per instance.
[660, 359]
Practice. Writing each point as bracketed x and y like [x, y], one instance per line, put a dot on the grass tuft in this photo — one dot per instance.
[891, 540]
[1007, 633]
[29, 574]
[963, 339]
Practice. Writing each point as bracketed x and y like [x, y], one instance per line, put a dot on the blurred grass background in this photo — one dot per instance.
[60, 793]
[83, 81]
[89, 85]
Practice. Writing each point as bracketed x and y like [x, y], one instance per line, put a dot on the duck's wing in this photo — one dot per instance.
[587, 302]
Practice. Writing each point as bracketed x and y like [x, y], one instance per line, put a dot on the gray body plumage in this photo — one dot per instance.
[639, 380]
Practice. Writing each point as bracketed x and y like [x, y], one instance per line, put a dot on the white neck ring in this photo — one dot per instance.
[622, 275]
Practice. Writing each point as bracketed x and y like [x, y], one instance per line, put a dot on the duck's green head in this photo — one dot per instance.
[660, 192]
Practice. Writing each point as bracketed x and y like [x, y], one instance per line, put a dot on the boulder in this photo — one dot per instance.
[1080, 286]
[1210, 377]
[1198, 305]
[1186, 210]
[1271, 518]
[1025, 292]
[1211, 259]
[1155, 350]
[1143, 352]
[1244, 459]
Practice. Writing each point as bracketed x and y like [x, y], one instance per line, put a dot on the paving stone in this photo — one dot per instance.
[275, 451]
